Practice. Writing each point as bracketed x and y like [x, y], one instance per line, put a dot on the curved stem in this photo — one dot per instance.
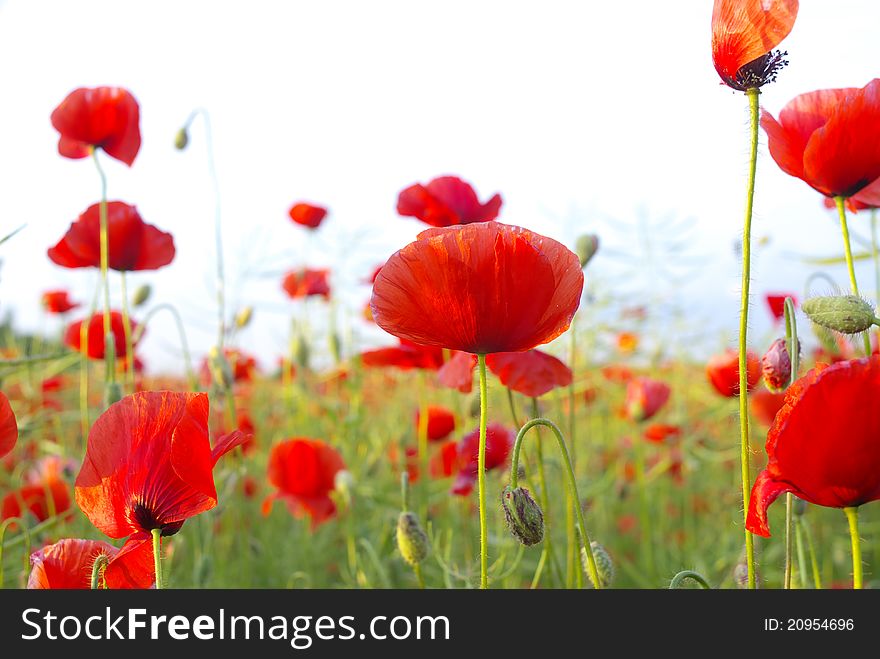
[104, 240]
[184, 346]
[545, 499]
[850, 267]
[157, 557]
[98, 570]
[745, 449]
[814, 561]
[481, 475]
[572, 484]
[26, 535]
[689, 574]
[852, 516]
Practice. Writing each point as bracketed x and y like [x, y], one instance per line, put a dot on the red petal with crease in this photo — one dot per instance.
[532, 373]
[8, 426]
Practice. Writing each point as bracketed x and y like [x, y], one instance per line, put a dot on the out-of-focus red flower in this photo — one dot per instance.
[132, 243]
[445, 201]
[249, 487]
[627, 342]
[8, 426]
[776, 304]
[372, 278]
[617, 373]
[723, 372]
[822, 446]
[499, 442]
[441, 422]
[307, 215]
[532, 373]
[102, 117]
[303, 471]
[458, 372]
[58, 302]
[406, 355]
[764, 405]
[67, 564]
[828, 139]
[243, 366]
[645, 397]
[307, 283]
[37, 497]
[479, 288]
[744, 32]
[660, 432]
[95, 339]
[445, 460]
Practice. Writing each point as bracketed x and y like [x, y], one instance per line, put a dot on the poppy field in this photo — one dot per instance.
[513, 428]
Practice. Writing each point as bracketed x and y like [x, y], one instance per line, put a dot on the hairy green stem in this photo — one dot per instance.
[852, 516]
[481, 475]
[157, 557]
[850, 267]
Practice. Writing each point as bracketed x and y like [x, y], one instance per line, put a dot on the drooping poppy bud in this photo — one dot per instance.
[847, 314]
[141, 295]
[412, 541]
[181, 139]
[523, 514]
[776, 366]
[586, 248]
[604, 565]
[243, 318]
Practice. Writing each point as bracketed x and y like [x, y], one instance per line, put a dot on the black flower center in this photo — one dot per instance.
[146, 520]
[760, 71]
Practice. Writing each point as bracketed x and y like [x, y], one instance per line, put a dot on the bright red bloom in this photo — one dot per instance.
[149, 465]
[95, 338]
[458, 372]
[659, 432]
[823, 445]
[829, 138]
[304, 472]
[479, 288]
[445, 201]
[441, 422]
[499, 442]
[35, 498]
[68, 563]
[8, 426]
[532, 373]
[406, 355]
[723, 372]
[306, 283]
[307, 215]
[776, 304]
[132, 243]
[743, 34]
[103, 117]
[765, 404]
[58, 302]
[645, 397]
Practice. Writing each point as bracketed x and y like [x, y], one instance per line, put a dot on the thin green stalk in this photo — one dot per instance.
[25, 536]
[814, 561]
[793, 347]
[852, 516]
[875, 253]
[157, 557]
[572, 553]
[801, 554]
[847, 250]
[789, 514]
[104, 240]
[98, 571]
[689, 574]
[547, 549]
[126, 326]
[481, 475]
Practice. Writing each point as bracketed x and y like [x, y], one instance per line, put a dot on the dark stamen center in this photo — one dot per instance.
[760, 71]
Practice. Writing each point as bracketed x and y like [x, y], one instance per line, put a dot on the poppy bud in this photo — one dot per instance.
[181, 139]
[604, 565]
[586, 248]
[243, 317]
[412, 541]
[141, 295]
[847, 314]
[741, 575]
[221, 371]
[524, 517]
[776, 365]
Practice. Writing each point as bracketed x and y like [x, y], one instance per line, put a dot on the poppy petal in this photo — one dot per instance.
[8, 426]
[764, 492]
[133, 566]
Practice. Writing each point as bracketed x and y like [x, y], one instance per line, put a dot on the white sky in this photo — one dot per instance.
[583, 115]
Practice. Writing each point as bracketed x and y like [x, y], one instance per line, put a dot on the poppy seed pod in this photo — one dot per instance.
[523, 514]
[141, 295]
[604, 565]
[412, 541]
[776, 366]
[243, 318]
[181, 139]
[586, 248]
[847, 314]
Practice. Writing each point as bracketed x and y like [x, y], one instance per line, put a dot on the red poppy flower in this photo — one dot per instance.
[660, 432]
[723, 372]
[444, 461]
[68, 563]
[58, 302]
[304, 471]
[8, 426]
[103, 117]
[776, 304]
[95, 332]
[764, 405]
[38, 497]
[479, 288]
[307, 215]
[499, 442]
[445, 201]
[458, 372]
[149, 465]
[407, 355]
[822, 446]
[441, 422]
[828, 139]
[645, 397]
[744, 32]
[132, 243]
[306, 283]
[532, 373]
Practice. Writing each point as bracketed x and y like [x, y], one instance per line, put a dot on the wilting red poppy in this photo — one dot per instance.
[102, 117]
[304, 472]
[307, 283]
[499, 442]
[764, 404]
[645, 397]
[776, 304]
[822, 446]
[95, 331]
[8, 426]
[532, 373]
[723, 372]
[441, 422]
[445, 201]
[68, 564]
[828, 139]
[479, 288]
[307, 215]
[149, 465]
[406, 355]
[132, 243]
[660, 432]
[58, 302]
[39, 497]
[744, 32]
[458, 372]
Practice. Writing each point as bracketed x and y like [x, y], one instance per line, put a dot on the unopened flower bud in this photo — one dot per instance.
[586, 248]
[412, 541]
[221, 371]
[776, 366]
[604, 565]
[524, 517]
[741, 574]
[181, 139]
[847, 314]
[243, 317]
